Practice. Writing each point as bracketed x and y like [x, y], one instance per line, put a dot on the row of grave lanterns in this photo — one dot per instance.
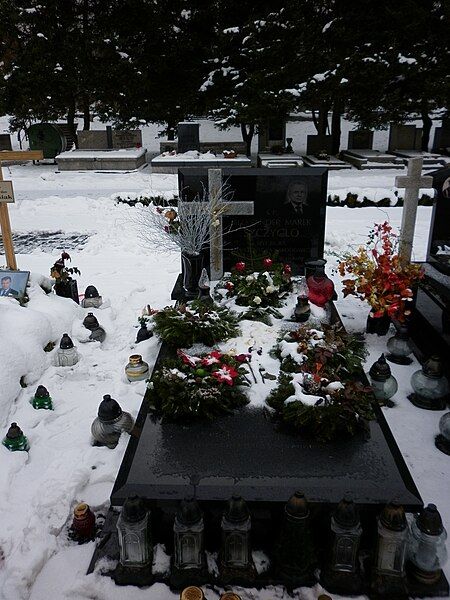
[418, 550]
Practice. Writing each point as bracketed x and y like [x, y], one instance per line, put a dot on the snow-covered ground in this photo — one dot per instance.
[38, 490]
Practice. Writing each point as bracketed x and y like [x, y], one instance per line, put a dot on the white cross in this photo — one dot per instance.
[219, 209]
[412, 182]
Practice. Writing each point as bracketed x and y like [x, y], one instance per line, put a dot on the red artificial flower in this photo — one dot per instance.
[225, 374]
[213, 358]
[267, 262]
[191, 361]
[230, 286]
[65, 256]
[287, 269]
[242, 357]
[240, 266]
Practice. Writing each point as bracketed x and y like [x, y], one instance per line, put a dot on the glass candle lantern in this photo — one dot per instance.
[236, 524]
[294, 552]
[188, 535]
[426, 546]
[135, 541]
[92, 298]
[399, 347]
[192, 593]
[442, 440]
[66, 355]
[430, 386]
[136, 369]
[15, 439]
[384, 385]
[110, 422]
[204, 288]
[389, 571]
[83, 524]
[321, 288]
[98, 334]
[42, 399]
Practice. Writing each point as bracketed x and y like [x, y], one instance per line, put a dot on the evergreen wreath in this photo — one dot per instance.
[195, 323]
[198, 387]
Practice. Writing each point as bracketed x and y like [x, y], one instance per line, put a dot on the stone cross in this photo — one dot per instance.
[7, 196]
[412, 182]
[220, 209]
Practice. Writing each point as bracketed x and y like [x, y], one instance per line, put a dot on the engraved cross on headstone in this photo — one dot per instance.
[218, 210]
[412, 182]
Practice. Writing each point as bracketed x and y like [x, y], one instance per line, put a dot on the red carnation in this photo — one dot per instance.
[287, 269]
[240, 266]
[267, 262]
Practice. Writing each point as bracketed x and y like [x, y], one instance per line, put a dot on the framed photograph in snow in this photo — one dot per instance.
[13, 284]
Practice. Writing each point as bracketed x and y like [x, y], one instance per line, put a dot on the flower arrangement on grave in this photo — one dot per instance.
[198, 387]
[317, 392]
[379, 277]
[263, 288]
[195, 323]
[61, 272]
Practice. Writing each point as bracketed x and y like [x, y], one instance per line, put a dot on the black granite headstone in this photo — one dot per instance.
[317, 144]
[360, 139]
[289, 212]
[404, 137]
[5, 141]
[442, 136]
[439, 240]
[188, 137]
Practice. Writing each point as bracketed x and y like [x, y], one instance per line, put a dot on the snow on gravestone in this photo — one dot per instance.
[289, 212]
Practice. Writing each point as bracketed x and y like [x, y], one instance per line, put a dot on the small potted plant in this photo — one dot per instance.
[64, 285]
[381, 279]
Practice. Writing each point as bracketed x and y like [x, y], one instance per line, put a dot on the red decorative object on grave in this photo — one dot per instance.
[267, 262]
[320, 288]
[83, 524]
[240, 266]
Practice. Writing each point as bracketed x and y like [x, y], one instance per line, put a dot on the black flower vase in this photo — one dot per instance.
[67, 289]
[192, 265]
[378, 325]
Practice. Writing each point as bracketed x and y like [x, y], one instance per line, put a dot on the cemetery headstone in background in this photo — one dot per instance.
[272, 135]
[404, 137]
[360, 139]
[98, 139]
[5, 141]
[441, 141]
[289, 212]
[316, 144]
[188, 137]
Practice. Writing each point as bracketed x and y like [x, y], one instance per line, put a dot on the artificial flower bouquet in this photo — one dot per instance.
[198, 387]
[379, 277]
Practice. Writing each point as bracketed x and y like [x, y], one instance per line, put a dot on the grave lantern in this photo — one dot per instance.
[66, 355]
[15, 439]
[192, 593]
[229, 596]
[442, 441]
[426, 546]
[98, 334]
[389, 571]
[83, 524]
[204, 288]
[384, 385]
[399, 347]
[188, 536]
[110, 422]
[236, 524]
[136, 369]
[342, 573]
[294, 552]
[302, 309]
[135, 540]
[42, 398]
[91, 299]
[321, 288]
[430, 386]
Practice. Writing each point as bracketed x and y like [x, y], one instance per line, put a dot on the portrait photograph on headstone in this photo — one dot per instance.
[13, 284]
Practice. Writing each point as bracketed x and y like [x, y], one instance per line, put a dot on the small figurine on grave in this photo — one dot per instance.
[98, 334]
[83, 525]
[66, 355]
[65, 286]
[110, 422]
[92, 298]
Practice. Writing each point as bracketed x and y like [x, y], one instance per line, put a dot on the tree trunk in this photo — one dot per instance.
[71, 121]
[247, 136]
[427, 124]
[86, 113]
[170, 131]
[336, 128]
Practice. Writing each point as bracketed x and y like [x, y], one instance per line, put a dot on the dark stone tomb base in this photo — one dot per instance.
[181, 578]
[141, 577]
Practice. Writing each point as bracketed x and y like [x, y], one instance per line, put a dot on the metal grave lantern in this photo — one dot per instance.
[42, 399]
[442, 440]
[426, 546]
[110, 422]
[389, 571]
[399, 347]
[135, 543]
[235, 557]
[295, 556]
[342, 572]
[98, 334]
[66, 355]
[384, 384]
[92, 298]
[83, 524]
[188, 536]
[430, 386]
